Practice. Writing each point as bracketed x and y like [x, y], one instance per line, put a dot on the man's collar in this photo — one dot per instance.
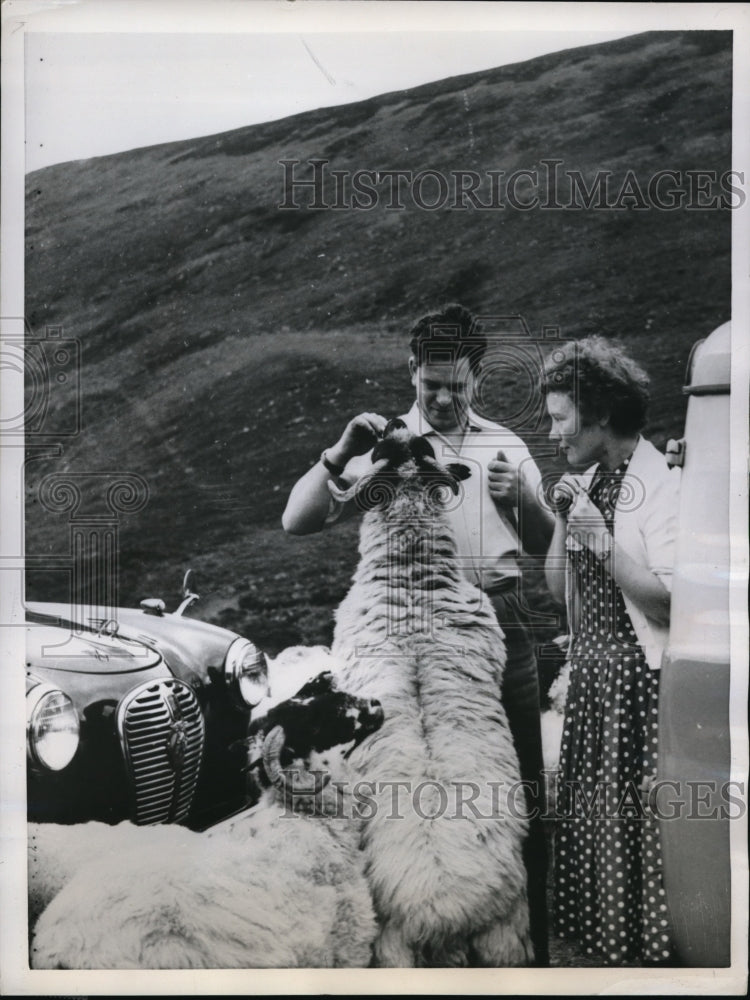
[418, 424]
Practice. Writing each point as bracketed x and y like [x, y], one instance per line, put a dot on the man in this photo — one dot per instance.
[499, 512]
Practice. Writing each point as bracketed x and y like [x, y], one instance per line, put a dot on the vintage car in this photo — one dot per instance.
[133, 714]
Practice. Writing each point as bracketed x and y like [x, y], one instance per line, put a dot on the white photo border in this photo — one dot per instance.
[22, 17]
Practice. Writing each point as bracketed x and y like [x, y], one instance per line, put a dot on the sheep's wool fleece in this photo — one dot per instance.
[414, 633]
[267, 891]
[56, 852]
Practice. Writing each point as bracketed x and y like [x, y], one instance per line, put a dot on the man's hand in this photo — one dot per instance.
[309, 502]
[504, 481]
[509, 488]
[358, 437]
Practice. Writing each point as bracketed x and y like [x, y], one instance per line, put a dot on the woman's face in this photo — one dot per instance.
[582, 444]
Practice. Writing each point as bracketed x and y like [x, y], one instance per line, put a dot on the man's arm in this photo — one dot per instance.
[535, 522]
[309, 502]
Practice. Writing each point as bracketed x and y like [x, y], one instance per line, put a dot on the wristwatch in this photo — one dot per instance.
[334, 469]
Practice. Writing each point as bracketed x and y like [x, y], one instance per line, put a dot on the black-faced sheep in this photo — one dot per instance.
[414, 633]
[278, 886]
[289, 670]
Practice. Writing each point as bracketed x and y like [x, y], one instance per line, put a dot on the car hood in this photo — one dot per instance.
[189, 646]
[59, 648]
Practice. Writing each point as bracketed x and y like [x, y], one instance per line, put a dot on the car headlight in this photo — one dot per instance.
[52, 727]
[246, 673]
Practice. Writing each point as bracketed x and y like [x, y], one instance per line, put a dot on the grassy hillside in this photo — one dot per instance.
[224, 341]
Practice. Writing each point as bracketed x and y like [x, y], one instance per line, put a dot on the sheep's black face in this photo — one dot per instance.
[402, 457]
[331, 722]
[318, 719]
[398, 446]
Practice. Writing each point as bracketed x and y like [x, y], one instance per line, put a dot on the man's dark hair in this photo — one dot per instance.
[602, 380]
[447, 335]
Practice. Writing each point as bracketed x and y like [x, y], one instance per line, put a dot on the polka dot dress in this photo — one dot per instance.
[608, 890]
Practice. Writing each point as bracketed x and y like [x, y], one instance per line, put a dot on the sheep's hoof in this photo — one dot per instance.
[503, 945]
[391, 950]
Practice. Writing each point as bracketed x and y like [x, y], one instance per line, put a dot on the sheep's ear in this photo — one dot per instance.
[421, 449]
[458, 470]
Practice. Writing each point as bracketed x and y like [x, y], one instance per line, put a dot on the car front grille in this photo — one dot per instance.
[161, 729]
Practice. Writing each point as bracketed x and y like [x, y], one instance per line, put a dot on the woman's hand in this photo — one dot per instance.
[563, 495]
[586, 522]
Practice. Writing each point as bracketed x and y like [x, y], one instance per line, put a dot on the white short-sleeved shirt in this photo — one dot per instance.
[486, 534]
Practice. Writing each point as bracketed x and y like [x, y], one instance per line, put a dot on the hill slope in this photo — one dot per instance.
[225, 340]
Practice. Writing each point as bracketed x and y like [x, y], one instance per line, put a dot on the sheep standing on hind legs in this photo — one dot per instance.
[444, 861]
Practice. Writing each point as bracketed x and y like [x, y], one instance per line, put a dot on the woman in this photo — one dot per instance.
[610, 561]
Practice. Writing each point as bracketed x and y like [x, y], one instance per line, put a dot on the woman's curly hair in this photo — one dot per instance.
[602, 380]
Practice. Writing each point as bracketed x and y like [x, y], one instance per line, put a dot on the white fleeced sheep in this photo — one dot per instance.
[56, 852]
[554, 718]
[278, 886]
[414, 633]
[553, 722]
